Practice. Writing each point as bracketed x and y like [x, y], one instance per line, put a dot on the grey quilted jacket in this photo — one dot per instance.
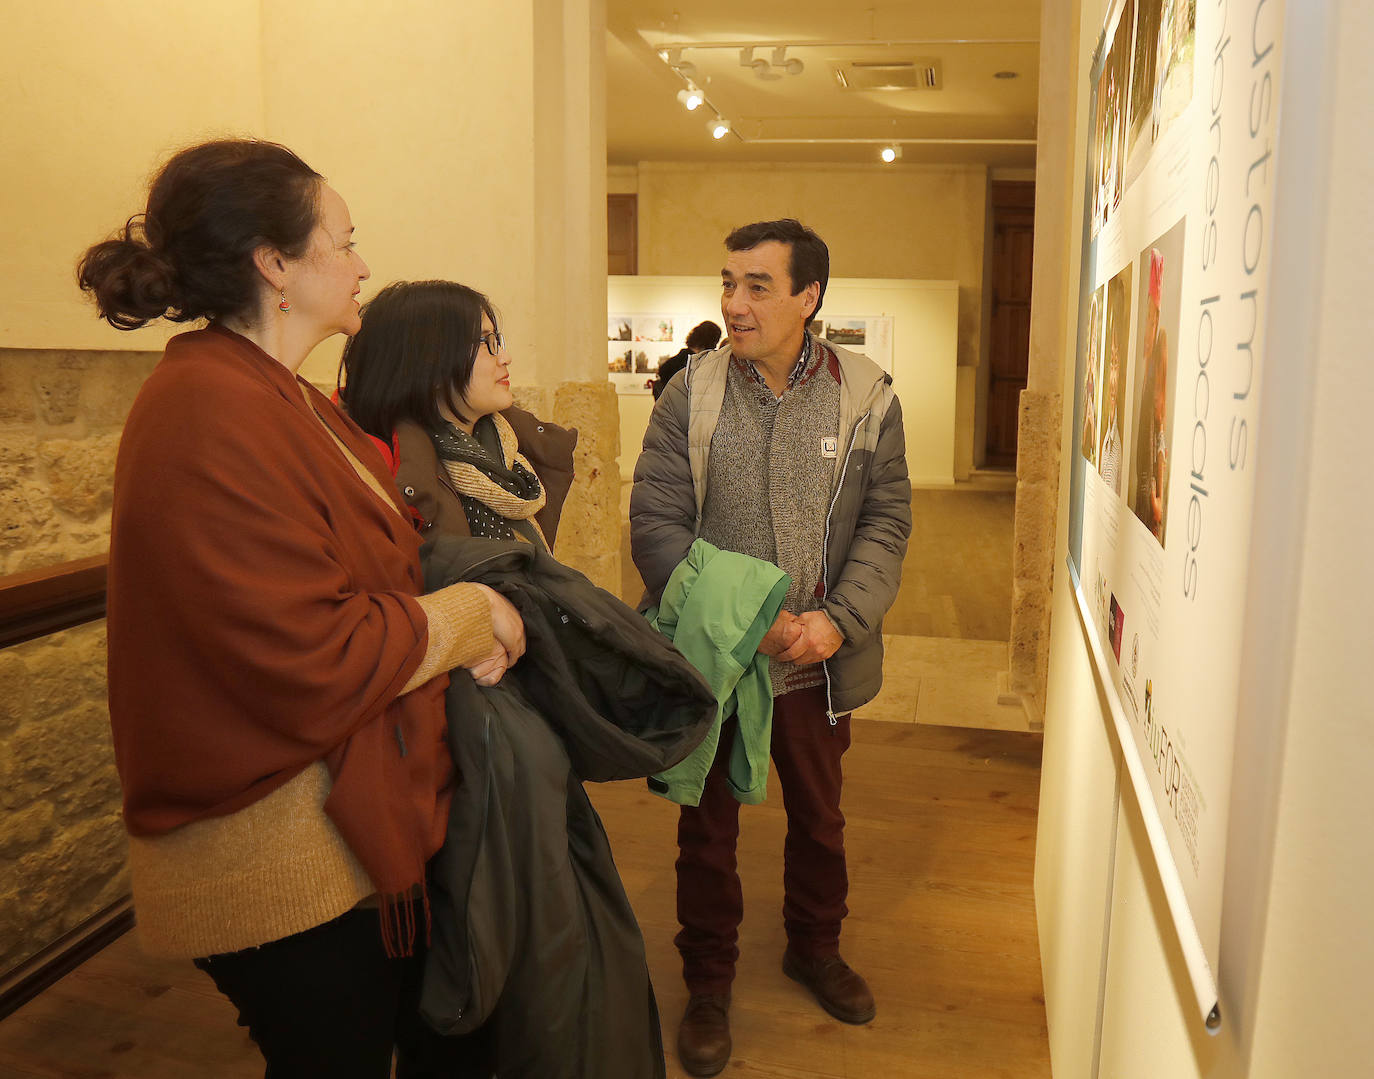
[867, 526]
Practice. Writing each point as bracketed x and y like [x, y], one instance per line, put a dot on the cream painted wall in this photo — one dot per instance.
[917, 222]
[921, 222]
[84, 121]
[436, 187]
[464, 138]
[622, 180]
[1299, 1005]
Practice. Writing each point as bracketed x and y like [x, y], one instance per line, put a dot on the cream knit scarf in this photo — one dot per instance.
[508, 488]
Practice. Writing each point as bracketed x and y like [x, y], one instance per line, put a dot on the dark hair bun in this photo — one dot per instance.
[191, 256]
[132, 284]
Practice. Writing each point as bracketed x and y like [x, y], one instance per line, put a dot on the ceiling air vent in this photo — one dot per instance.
[887, 74]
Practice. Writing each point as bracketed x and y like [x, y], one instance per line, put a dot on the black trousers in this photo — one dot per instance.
[330, 1002]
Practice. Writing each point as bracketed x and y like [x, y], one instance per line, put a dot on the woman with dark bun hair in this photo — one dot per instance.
[276, 680]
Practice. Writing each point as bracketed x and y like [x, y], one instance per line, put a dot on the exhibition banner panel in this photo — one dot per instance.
[1170, 356]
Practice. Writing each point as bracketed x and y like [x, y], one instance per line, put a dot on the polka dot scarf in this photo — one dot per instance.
[500, 500]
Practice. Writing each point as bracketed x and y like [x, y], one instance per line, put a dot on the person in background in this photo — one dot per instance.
[704, 336]
[276, 680]
[789, 449]
[428, 376]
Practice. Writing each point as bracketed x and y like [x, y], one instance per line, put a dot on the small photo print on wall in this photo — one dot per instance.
[618, 328]
[1092, 378]
[1111, 460]
[1161, 287]
[1116, 627]
[653, 327]
[847, 331]
[620, 361]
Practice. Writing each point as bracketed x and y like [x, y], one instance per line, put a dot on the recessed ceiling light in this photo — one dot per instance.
[1006, 75]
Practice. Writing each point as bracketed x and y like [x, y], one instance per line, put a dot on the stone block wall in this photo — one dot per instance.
[589, 531]
[61, 841]
[61, 838]
[1033, 555]
[60, 417]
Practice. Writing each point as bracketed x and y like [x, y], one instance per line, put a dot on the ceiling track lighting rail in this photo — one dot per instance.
[691, 98]
[677, 48]
[772, 69]
[892, 142]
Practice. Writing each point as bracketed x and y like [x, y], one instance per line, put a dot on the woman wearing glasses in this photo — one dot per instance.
[558, 982]
[428, 376]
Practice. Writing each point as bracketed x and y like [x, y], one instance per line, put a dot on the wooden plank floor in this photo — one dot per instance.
[941, 834]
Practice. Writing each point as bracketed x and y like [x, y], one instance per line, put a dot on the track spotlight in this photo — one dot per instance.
[891, 153]
[691, 98]
[792, 66]
[719, 127]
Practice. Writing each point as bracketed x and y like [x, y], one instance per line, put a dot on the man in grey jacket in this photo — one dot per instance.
[784, 447]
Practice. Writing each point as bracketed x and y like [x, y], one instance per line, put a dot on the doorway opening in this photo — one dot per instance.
[1013, 243]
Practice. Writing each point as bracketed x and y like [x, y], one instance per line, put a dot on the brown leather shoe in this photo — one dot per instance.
[703, 1038]
[838, 989]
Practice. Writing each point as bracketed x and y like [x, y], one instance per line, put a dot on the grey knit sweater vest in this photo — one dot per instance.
[768, 484]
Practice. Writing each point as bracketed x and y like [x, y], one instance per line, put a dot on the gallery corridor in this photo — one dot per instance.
[941, 839]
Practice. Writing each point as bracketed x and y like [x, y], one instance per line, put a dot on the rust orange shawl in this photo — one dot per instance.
[261, 614]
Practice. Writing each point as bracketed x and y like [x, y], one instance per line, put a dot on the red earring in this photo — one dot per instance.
[284, 307]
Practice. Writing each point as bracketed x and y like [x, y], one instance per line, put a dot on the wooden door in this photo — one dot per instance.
[622, 234]
[1013, 242]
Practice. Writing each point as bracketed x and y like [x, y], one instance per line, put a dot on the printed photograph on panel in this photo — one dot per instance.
[619, 360]
[850, 332]
[653, 327]
[1174, 62]
[1116, 347]
[1143, 73]
[618, 328]
[1161, 281]
[1092, 379]
[1162, 68]
[1109, 134]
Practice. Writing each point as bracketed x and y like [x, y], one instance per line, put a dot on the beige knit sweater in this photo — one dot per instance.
[280, 866]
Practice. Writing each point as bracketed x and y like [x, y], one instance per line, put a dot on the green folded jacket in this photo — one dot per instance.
[717, 606]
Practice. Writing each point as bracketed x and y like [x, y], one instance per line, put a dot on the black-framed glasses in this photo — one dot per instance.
[495, 342]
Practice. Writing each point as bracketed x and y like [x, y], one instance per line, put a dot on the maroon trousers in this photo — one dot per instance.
[710, 901]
